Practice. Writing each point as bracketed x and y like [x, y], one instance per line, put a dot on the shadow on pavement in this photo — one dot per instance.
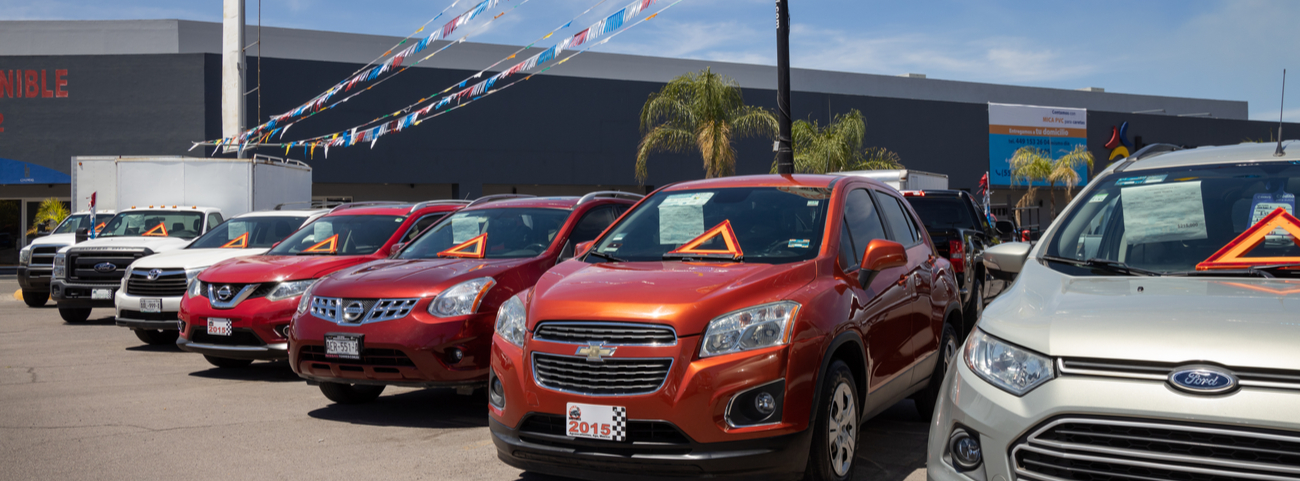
[103, 321]
[169, 347]
[275, 371]
[424, 408]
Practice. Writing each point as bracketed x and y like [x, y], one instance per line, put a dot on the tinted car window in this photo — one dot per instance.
[341, 235]
[214, 219]
[164, 223]
[262, 232]
[942, 212]
[421, 225]
[511, 233]
[863, 222]
[848, 252]
[902, 229]
[74, 222]
[592, 224]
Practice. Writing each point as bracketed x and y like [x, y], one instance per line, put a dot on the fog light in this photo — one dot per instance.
[181, 325]
[455, 355]
[965, 449]
[764, 403]
[282, 330]
[496, 392]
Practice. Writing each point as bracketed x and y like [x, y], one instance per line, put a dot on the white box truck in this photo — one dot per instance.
[904, 179]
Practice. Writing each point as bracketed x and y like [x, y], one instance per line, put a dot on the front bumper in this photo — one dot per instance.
[254, 325]
[131, 315]
[269, 352]
[34, 279]
[79, 295]
[1002, 421]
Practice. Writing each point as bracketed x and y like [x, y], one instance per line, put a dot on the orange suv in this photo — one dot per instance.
[743, 326]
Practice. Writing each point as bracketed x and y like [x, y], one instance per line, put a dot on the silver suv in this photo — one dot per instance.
[1153, 333]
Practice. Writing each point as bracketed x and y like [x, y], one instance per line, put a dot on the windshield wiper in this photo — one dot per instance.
[605, 256]
[1104, 264]
[1257, 271]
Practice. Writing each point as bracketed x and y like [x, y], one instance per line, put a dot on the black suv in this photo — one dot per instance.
[960, 232]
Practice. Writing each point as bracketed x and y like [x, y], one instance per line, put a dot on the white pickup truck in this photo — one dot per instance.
[151, 290]
[86, 275]
[36, 261]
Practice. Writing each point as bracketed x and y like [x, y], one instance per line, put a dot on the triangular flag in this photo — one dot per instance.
[327, 246]
[157, 231]
[240, 242]
[1230, 256]
[723, 230]
[475, 248]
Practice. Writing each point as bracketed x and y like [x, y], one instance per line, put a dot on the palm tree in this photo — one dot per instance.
[1064, 170]
[1031, 164]
[837, 147]
[701, 111]
[51, 210]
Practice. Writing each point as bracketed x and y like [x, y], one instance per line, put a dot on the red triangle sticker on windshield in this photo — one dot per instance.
[1231, 255]
[240, 242]
[722, 230]
[475, 248]
[327, 246]
[157, 231]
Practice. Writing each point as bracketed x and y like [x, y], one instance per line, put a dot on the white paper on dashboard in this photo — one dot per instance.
[1163, 212]
[463, 229]
[681, 217]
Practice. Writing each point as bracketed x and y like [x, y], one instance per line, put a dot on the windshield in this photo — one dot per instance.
[155, 223]
[344, 235]
[511, 233]
[1170, 220]
[772, 225]
[74, 222]
[248, 233]
[943, 212]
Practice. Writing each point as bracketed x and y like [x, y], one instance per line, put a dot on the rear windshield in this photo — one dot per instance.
[344, 235]
[942, 212]
[249, 232]
[155, 223]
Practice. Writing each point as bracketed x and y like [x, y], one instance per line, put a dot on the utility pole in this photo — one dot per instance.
[233, 104]
[784, 151]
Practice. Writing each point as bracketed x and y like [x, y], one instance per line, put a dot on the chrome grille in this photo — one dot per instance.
[81, 266]
[170, 282]
[608, 377]
[389, 309]
[1159, 371]
[611, 333]
[327, 308]
[374, 310]
[1116, 449]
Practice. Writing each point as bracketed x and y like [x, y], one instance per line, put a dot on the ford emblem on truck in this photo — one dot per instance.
[1202, 380]
[105, 267]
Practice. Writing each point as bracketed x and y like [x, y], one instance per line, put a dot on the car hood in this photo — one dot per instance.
[55, 239]
[156, 244]
[684, 295]
[265, 268]
[1237, 322]
[410, 277]
[192, 258]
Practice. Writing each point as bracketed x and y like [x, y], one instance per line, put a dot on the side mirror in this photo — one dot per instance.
[880, 255]
[397, 249]
[1008, 257]
[1005, 227]
[582, 248]
[81, 235]
[276, 244]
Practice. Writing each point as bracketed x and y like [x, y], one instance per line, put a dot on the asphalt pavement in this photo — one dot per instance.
[90, 401]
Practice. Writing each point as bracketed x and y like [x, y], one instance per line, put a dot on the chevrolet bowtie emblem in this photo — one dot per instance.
[596, 351]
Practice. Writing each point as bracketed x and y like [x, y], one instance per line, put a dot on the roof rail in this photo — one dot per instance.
[608, 194]
[280, 206]
[1147, 151]
[351, 205]
[493, 198]
[427, 203]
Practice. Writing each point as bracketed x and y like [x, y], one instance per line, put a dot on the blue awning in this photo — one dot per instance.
[19, 172]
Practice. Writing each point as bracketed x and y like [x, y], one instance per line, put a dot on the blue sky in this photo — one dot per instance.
[1232, 50]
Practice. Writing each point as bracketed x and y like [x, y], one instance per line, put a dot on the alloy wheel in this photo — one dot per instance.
[843, 429]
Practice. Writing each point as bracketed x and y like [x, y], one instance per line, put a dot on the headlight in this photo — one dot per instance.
[59, 260]
[192, 273]
[285, 290]
[195, 288]
[305, 301]
[512, 321]
[25, 256]
[751, 328]
[1012, 368]
[461, 299]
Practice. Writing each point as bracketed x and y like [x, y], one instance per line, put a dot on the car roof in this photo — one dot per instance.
[933, 193]
[179, 208]
[557, 202]
[1246, 152]
[815, 181]
[98, 212]
[280, 213]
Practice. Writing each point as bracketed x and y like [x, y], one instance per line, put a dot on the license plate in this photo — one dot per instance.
[101, 293]
[218, 327]
[150, 305]
[597, 422]
[343, 346]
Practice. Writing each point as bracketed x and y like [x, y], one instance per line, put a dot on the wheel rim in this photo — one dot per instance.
[949, 351]
[843, 424]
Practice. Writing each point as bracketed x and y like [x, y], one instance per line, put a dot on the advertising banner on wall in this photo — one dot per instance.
[1053, 129]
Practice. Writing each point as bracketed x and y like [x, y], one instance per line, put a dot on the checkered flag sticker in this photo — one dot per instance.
[620, 423]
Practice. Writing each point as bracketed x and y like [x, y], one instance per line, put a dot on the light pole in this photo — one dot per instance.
[784, 151]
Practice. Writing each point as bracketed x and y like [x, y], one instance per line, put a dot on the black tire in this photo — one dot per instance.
[948, 353]
[74, 314]
[227, 362]
[835, 430]
[972, 310]
[35, 299]
[154, 337]
[350, 393]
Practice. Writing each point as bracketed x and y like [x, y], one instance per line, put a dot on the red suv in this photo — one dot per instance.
[238, 310]
[425, 317]
[743, 326]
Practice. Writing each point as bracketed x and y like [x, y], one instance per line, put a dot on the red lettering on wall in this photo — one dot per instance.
[7, 83]
[32, 89]
[59, 83]
[45, 92]
[2, 121]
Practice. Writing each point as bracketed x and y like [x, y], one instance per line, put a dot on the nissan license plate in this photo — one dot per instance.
[597, 422]
[101, 294]
[150, 305]
[343, 346]
[218, 327]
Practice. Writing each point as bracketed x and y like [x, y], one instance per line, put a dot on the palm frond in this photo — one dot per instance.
[661, 139]
[52, 211]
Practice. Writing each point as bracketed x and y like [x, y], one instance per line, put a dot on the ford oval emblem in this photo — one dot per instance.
[105, 267]
[1203, 380]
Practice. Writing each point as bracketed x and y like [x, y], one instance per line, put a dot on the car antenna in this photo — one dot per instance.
[1280, 110]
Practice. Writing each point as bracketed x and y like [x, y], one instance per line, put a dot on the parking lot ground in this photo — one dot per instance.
[89, 401]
